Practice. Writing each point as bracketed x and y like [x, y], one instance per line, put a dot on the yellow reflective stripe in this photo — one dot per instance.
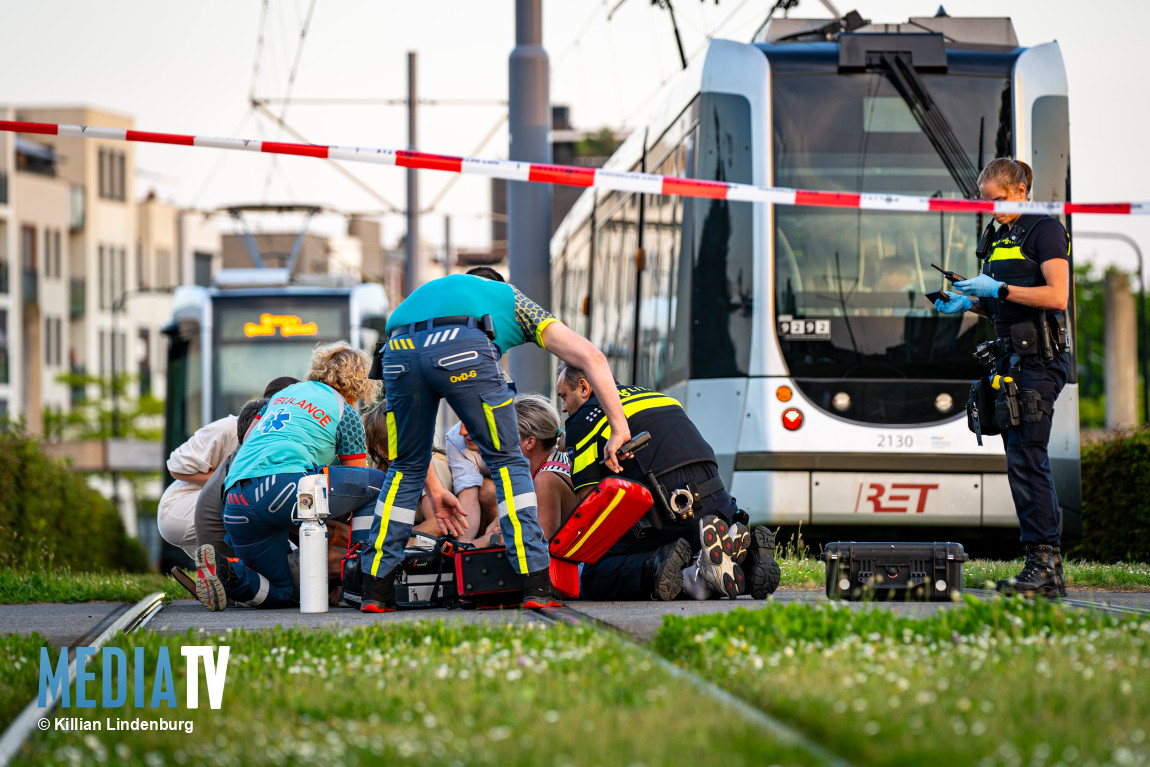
[591, 435]
[646, 404]
[509, 499]
[1006, 254]
[602, 518]
[585, 459]
[384, 520]
[489, 412]
[539, 331]
[640, 395]
[392, 437]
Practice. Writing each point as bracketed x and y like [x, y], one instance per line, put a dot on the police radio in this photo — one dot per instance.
[984, 242]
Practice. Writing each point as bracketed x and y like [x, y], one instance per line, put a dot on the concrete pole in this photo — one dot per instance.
[416, 273]
[529, 205]
[1121, 353]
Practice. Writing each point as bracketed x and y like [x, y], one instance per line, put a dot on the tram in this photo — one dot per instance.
[798, 338]
[253, 325]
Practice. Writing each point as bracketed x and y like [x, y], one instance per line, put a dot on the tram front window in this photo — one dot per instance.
[849, 284]
[264, 338]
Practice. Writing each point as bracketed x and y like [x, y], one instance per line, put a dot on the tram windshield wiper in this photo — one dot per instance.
[932, 121]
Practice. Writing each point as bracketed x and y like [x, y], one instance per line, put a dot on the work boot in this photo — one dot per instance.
[214, 575]
[1059, 579]
[663, 571]
[716, 566]
[760, 567]
[740, 541]
[1039, 576]
[378, 593]
[537, 590]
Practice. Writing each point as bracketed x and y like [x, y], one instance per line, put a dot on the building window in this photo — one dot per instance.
[56, 252]
[112, 172]
[59, 341]
[203, 269]
[123, 277]
[141, 283]
[103, 364]
[3, 346]
[47, 340]
[101, 289]
[28, 247]
[144, 362]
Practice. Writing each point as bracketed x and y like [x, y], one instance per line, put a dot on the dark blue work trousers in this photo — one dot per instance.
[1027, 458]
[259, 514]
[459, 364]
[618, 575]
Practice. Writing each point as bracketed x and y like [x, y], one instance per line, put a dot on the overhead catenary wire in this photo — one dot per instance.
[602, 178]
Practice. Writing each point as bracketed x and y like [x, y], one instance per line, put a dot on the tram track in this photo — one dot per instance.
[1078, 604]
[124, 618]
[728, 702]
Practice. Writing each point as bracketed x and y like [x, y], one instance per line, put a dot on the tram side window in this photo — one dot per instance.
[613, 305]
[576, 266]
[663, 218]
[722, 278]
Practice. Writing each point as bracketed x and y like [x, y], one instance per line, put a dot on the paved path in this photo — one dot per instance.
[64, 624]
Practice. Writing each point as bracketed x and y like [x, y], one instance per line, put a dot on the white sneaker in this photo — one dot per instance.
[715, 563]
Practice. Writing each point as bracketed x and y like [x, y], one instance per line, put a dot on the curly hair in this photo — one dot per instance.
[375, 435]
[344, 369]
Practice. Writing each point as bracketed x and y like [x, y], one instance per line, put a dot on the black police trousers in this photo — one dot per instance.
[618, 575]
[1027, 458]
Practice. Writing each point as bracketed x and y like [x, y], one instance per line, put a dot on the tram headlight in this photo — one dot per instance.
[784, 393]
[841, 401]
[792, 419]
[944, 403]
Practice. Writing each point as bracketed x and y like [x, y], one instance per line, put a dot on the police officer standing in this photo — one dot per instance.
[1024, 288]
[693, 513]
[444, 342]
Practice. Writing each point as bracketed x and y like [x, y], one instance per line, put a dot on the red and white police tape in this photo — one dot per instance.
[622, 181]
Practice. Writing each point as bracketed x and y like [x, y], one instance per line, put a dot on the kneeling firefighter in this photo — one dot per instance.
[694, 539]
[1024, 288]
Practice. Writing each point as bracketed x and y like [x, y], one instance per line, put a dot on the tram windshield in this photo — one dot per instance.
[258, 339]
[849, 284]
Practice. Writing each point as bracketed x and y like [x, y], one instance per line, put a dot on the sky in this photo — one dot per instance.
[193, 68]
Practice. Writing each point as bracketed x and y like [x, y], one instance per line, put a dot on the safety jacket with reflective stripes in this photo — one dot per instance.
[675, 442]
[1013, 260]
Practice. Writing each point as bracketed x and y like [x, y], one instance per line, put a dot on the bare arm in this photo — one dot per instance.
[198, 478]
[577, 351]
[1051, 296]
[549, 496]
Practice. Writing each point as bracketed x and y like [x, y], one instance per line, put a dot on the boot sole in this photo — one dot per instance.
[765, 574]
[716, 566]
[209, 588]
[740, 543]
[669, 579]
[1009, 589]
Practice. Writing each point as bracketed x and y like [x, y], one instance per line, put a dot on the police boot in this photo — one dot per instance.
[663, 571]
[378, 594]
[1039, 576]
[1060, 580]
[760, 568]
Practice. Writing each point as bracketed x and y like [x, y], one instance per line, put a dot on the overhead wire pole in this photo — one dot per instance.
[529, 205]
[415, 275]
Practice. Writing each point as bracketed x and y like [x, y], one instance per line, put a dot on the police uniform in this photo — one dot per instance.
[1016, 257]
[679, 459]
[438, 349]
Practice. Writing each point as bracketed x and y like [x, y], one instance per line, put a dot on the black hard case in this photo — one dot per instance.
[894, 571]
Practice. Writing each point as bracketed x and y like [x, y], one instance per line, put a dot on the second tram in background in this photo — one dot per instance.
[798, 338]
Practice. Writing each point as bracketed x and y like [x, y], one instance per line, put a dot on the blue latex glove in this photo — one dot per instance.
[957, 304]
[983, 286]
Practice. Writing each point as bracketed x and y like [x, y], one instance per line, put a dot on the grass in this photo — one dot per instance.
[19, 673]
[1000, 682]
[422, 694]
[26, 586]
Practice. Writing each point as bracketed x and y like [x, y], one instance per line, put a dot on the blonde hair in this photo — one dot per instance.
[538, 418]
[344, 369]
[1009, 173]
[375, 434]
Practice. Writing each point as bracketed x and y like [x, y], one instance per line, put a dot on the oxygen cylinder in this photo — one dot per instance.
[312, 566]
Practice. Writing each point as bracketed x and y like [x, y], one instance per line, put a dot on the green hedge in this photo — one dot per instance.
[1115, 500]
[51, 518]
